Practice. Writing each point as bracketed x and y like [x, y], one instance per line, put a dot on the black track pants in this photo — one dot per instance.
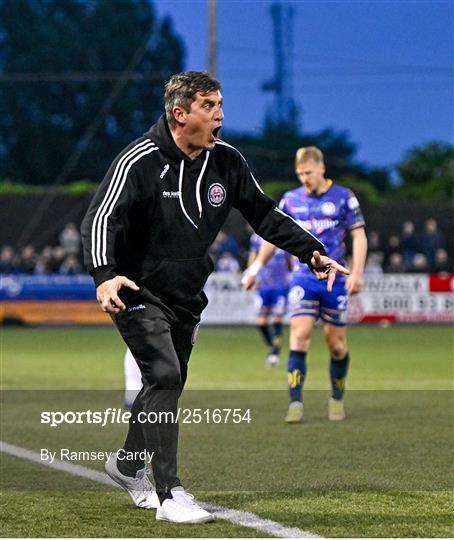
[160, 339]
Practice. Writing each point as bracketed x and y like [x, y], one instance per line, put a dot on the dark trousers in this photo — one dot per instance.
[161, 340]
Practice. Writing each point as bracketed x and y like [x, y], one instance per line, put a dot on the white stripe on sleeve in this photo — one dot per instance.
[113, 192]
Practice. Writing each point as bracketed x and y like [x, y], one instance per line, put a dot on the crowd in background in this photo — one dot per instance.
[412, 250]
[409, 251]
[64, 258]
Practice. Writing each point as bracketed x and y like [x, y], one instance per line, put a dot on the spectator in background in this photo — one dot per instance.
[58, 256]
[70, 265]
[374, 242]
[392, 246]
[409, 244]
[442, 262]
[374, 264]
[7, 260]
[27, 260]
[227, 263]
[70, 239]
[431, 240]
[44, 262]
[395, 264]
[419, 264]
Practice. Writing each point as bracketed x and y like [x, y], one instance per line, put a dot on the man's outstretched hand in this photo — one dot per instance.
[326, 268]
[107, 293]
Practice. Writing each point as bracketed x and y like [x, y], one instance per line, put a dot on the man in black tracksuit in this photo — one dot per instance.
[146, 236]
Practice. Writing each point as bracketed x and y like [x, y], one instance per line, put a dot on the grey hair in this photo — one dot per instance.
[181, 90]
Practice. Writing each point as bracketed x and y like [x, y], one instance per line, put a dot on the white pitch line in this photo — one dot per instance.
[237, 517]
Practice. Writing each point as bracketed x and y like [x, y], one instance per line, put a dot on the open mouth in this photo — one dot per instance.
[216, 131]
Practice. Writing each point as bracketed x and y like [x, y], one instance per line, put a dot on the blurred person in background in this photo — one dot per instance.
[45, 261]
[272, 288]
[58, 256]
[442, 263]
[431, 240]
[70, 240]
[409, 243]
[395, 264]
[392, 245]
[8, 260]
[374, 264]
[374, 242]
[27, 260]
[227, 263]
[330, 212]
[70, 265]
[419, 264]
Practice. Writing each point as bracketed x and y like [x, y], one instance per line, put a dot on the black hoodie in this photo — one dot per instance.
[156, 213]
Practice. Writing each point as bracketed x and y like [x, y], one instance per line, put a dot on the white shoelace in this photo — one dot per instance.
[143, 483]
[185, 498]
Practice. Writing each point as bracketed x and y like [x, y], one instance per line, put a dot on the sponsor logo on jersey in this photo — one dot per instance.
[319, 225]
[135, 308]
[216, 194]
[170, 194]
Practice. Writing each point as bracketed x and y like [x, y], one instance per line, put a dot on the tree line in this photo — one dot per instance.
[79, 80]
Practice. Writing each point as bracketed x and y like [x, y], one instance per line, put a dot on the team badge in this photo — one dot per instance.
[195, 333]
[328, 208]
[216, 194]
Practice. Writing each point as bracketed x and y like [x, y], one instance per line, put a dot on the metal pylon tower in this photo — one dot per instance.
[282, 82]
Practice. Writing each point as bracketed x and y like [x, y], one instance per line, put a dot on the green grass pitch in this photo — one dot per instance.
[385, 471]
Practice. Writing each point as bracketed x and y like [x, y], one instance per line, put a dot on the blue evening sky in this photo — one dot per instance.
[380, 69]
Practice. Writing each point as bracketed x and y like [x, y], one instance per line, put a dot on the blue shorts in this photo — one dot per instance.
[308, 296]
[272, 302]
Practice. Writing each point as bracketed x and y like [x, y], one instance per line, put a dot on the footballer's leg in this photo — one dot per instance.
[263, 311]
[133, 378]
[303, 305]
[277, 312]
[300, 339]
[334, 316]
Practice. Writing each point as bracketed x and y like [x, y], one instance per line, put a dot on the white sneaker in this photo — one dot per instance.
[182, 508]
[272, 360]
[139, 488]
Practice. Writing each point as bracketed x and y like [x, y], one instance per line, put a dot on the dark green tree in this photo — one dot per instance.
[62, 72]
[271, 154]
[427, 172]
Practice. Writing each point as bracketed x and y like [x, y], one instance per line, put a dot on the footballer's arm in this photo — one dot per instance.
[255, 263]
[359, 254]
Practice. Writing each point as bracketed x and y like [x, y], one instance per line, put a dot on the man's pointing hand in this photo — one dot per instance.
[326, 268]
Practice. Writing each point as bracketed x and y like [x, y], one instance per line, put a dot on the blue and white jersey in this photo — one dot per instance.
[274, 273]
[328, 216]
